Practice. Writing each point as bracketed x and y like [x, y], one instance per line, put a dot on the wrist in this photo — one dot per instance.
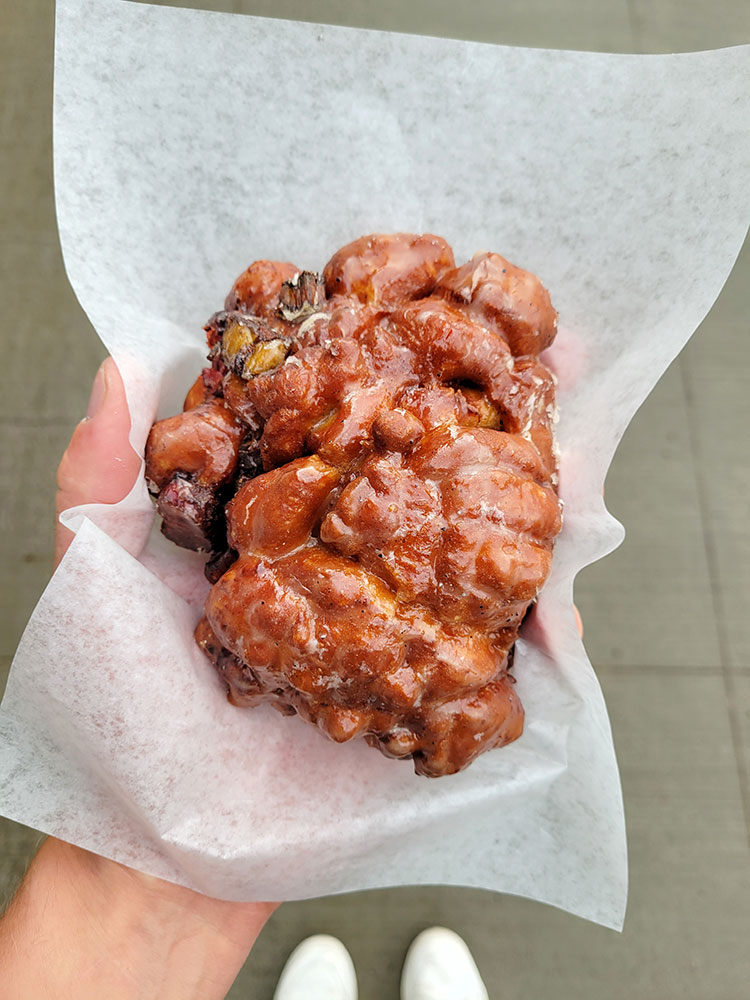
[97, 928]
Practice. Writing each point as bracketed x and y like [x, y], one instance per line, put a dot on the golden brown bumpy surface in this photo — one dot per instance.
[370, 460]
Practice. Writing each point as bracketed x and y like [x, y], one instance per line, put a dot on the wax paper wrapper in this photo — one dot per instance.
[188, 144]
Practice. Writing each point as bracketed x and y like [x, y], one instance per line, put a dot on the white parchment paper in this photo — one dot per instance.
[188, 144]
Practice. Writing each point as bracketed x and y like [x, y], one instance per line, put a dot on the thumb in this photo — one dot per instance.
[99, 465]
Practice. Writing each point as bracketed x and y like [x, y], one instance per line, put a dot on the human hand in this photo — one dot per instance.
[82, 925]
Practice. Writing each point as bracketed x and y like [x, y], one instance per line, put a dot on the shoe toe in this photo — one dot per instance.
[439, 966]
[320, 968]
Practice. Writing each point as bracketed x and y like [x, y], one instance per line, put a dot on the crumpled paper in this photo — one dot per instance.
[188, 144]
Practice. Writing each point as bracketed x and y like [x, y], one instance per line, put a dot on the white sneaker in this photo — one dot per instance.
[439, 966]
[318, 969]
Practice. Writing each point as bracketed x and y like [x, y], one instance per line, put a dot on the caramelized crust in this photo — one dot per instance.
[203, 443]
[509, 300]
[386, 270]
[395, 509]
[257, 289]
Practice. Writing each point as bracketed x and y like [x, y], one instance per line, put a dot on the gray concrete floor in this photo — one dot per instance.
[667, 624]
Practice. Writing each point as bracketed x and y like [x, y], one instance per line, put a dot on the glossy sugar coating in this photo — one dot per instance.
[391, 492]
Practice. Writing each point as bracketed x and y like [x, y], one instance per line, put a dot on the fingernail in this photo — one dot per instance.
[98, 392]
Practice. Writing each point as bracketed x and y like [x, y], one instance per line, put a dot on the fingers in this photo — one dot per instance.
[99, 465]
